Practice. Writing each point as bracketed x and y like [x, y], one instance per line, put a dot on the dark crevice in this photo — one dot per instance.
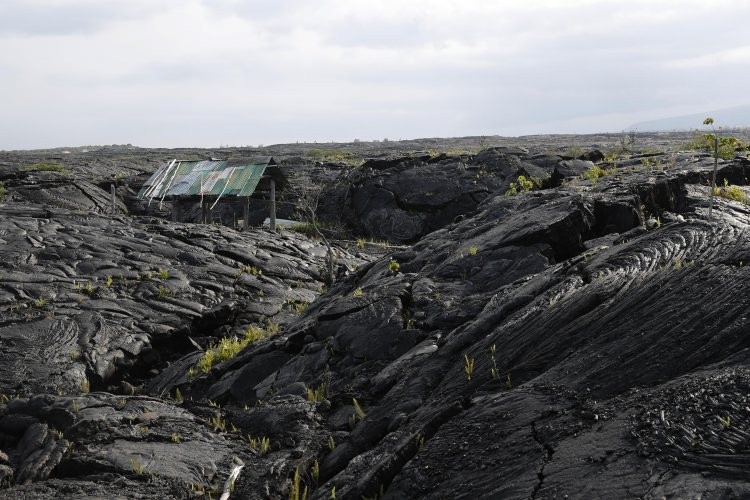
[548, 451]
[386, 473]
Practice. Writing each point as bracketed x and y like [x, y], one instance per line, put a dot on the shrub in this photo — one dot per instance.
[731, 192]
[728, 145]
[393, 265]
[523, 184]
[593, 174]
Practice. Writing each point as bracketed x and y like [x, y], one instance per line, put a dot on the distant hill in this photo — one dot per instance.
[734, 117]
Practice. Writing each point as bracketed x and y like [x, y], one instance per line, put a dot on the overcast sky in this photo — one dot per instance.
[244, 72]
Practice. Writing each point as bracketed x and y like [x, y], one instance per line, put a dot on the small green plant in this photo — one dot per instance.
[468, 366]
[358, 409]
[175, 438]
[260, 293]
[731, 192]
[164, 292]
[137, 467]
[45, 167]
[260, 444]
[264, 446]
[316, 472]
[678, 264]
[331, 443]
[394, 266]
[419, 440]
[296, 492]
[162, 274]
[493, 370]
[358, 292]
[88, 289]
[85, 386]
[473, 250]
[360, 242]
[246, 270]
[39, 303]
[3, 192]
[358, 414]
[229, 347]
[596, 172]
[254, 334]
[178, 398]
[218, 423]
[207, 361]
[726, 422]
[108, 281]
[301, 307]
[318, 394]
[573, 152]
[273, 328]
[522, 185]
[650, 163]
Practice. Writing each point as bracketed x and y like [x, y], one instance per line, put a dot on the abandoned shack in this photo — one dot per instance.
[217, 190]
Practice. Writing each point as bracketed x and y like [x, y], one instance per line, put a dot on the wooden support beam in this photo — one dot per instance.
[175, 209]
[272, 210]
[245, 212]
[205, 212]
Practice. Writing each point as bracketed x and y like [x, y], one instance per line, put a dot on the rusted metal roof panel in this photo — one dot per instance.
[211, 178]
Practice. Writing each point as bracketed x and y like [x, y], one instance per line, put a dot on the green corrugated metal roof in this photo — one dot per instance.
[210, 178]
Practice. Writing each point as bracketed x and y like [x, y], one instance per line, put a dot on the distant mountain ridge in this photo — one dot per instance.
[734, 117]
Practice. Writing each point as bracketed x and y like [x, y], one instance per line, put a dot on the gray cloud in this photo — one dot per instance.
[200, 72]
[24, 17]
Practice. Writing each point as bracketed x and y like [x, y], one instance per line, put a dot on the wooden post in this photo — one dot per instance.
[273, 205]
[175, 209]
[246, 213]
[114, 198]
